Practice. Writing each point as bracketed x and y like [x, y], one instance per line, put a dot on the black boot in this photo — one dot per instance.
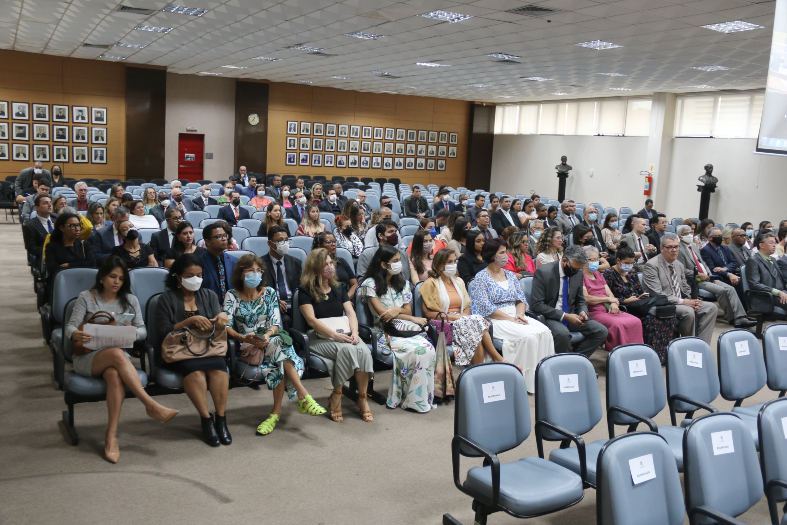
[209, 431]
[222, 430]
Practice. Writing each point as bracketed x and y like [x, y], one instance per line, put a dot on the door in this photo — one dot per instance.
[191, 152]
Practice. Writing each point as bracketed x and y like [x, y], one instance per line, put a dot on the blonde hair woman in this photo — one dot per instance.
[109, 208]
[149, 198]
[549, 247]
[317, 196]
[311, 224]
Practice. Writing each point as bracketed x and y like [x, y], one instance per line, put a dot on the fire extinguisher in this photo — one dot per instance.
[648, 182]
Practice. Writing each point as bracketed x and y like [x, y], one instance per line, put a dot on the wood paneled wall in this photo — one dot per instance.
[335, 106]
[146, 111]
[45, 79]
[251, 140]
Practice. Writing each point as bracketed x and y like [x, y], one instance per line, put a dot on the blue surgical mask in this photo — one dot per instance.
[613, 225]
[433, 232]
[593, 266]
[593, 217]
[537, 234]
[627, 267]
[252, 280]
[750, 233]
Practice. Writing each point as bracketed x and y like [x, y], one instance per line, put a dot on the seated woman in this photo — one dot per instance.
[226, 198]
[64, 249]
[150, 199]
[357, 219]
[583, 236]
[459, 236]
[421, 256]
[110, 206]
[624, 284]
[429, 225]
[139, 217]
[95, 213]
[346, 237]
[549, 247]
[551, 217]
[260, 201]
[112, 293]
[285, 199]
[187, 304]
[527, 214]
[345, 273]
[390, 298]
[321, 298]
[611, 234]
[59, 202]
[273, 217]
[604, 307]
[317, 196]
[311, 224]
[117, 190]
[256, 321]
[497, 296]
[470, 263]
[508, 232]
[134, 253]
[519, 261]
[182, 242]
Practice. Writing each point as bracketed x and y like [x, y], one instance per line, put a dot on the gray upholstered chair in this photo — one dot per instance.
[692, 381]
[773, 454]
[760, 305]
[258, 245]
[741, 369]
[775, 357]
[304, 243]
[147, 282]
[492, 416]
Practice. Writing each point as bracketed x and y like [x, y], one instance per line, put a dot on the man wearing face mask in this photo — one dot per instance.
[416, 205]
[108, 237]
[445, 202]
[282, 271]
[251, 189]
[558, 295]
[387, 235]
[591, 222]
[25, 180]
[217, 264]
[370, 240]
[360, 197]
[205, 199]
[233, 213]
[181, 202]
[536, 228]
[337, 187]
[162, 240]
[298, 209]
[331, 204]
[482, 221]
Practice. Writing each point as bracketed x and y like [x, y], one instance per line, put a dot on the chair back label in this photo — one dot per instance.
[637, 368]
[784, 426]
[642, 469]
[494, 391]
[694, 359]
[741, 348]
[722, 442]
[783, 343]
[569, 383]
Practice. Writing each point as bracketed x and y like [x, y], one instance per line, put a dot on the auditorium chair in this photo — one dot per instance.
[775, 357]
[741, 369]
[760, 305]
[773, 454]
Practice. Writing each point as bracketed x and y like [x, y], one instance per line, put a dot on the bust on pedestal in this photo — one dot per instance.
[562, 174]
[707, 187]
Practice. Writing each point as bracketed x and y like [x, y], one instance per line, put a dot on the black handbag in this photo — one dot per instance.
[642, 307]
[402, 328]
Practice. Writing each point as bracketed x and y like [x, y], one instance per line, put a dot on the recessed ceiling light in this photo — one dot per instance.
[537, 79]
[365, 36]
[209, 73]
[307, 81]
[446, 16]
[560, 93]
[613, 74]
[112, 56]
[337, 77]
[733, 27]
[502, 56]
[143, 27]
[711, 68]
[391, 92]
[235, 67]
[703, 86]
[411, 87]
[269, 59]
[598, 45]
[620, 89]
[131, 46]
[478, 85]
[379, 72]
[182, 10]
[431, 64]
[308, 48]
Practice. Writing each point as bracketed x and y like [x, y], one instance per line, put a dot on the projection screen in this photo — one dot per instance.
[773, 126]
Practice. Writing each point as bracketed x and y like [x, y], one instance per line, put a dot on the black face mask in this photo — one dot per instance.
[56, 173]
[132, 235]
[236, 202]
[717, 240]
[347, 231]
[589, 242]
[389, 206]
[569, 271]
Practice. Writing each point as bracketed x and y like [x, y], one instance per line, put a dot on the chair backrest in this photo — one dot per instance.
[656, 497]
[145, 234]
[239, 253]
[330, 217]
[329, 226]
[624, 209]
[408, 230]
[773, 443]
[372, 200]
[741, 365]
[213, 210]
[347, 256]
[205, 222]
[409, 220]
[298, 320]
[257, 245]
[253, 225]
[691, 374]
[720, 465]
[304, 243]
[406, 240]
[150, 320]
[197, 235]
[492, 409]
[362, 311]
[774, 340]
[259, 215]
[67, 285]
[526, 283]
[147, 282]
[244, 200]
[299, 254]
[567, 394]
[292, 226]
[239, 234]
[635, 382]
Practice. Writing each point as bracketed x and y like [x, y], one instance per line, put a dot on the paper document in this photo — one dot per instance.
[109, 336]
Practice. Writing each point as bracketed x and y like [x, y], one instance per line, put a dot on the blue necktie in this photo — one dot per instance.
[565, 299]
[49, 225]
[280, 282]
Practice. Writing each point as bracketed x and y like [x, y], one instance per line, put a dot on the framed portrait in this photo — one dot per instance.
[377, 148]
[443, 137]
[387, 163]
[421, 150]
[41, 152]
[291, 158]
[40, 131]
[292, 127]
[366, 163]
[98, 116]
[451, 152]
[421, 135]
[305, 143]
[99, 135]
[341, 145]
[20, 111]
[453, 138]
[318, 129]
[317, 159]
[328, 160]
[21, 131]
[398, 163]
[316, 144]
[3, 130]
[430, 164]
[411, 135]
[292, 142]
[41, 112]
[330, 130]
[377, 163]
[409, 163]
[4, 110]
[304, 159]
[306, 128]
[352, 161]
[400, 147]
[330, 144]
[441, 151]
[60, 153]
[79, 134]
[341, 161]
[79, 154]
[390, 133]
[431, 151]
[60, 133]
[366, 146]
[379, 133]
[355, 145]
[343, 130]
[355, 132]
[366, 133]
[440, 164]
[420, 164]
[432, 136]
[3, 151]
[401, 134]
[79, 114]
[59, 113]
[410, 149]
[98, 155]
[21, 152]
[389, 148]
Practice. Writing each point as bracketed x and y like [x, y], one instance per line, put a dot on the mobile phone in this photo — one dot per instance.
[126, 318]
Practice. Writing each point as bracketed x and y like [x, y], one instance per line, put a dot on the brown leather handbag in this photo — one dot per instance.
[186, 344]
[100, 317]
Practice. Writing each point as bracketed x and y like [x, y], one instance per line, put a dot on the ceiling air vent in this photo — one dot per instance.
[135, 10]
[507, 62]
[388, 76]
[321, 54]
[532, 10]
[97, 46]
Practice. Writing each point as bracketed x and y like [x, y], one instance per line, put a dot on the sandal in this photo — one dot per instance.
[336, 415]
[308, 405]
[267, 426]
[366, 415]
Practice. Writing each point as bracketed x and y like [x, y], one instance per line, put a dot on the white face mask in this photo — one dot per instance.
[260, 192]
[396, 268]
[38, 171]
[688, 238]
[501, 260]
[332, 198]
[282, 247]
[446, 198]
[192, 284]
[285, 193]
[206, 193]
[450, 269]
[302, 201]
[165, 203]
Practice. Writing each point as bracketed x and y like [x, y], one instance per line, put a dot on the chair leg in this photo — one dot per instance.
[377, 397]
[351, 390]
[758, 328]
[480, 513]
[68, 421]
[450, 520]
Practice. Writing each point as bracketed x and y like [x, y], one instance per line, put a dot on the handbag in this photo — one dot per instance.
[185, 344]
[443, 326]
[339, 325]
[100, 317]
[402, 328]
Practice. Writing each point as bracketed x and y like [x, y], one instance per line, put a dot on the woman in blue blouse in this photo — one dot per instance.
[496, 295]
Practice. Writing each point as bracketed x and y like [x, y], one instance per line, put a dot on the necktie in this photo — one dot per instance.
[696, 262]
[237, 215]
[280, 282]
[222, 277]
[49, 225]
[673, 277]
[642, 249]
[571, 220]
[565, 300]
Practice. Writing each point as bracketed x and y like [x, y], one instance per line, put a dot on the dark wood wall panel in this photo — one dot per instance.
[251, 142]
[479, 151]
[146, 109]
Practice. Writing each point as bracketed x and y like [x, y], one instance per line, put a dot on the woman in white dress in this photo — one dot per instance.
[140, 219]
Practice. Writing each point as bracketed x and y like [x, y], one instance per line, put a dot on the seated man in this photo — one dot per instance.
[639, 242]
[658, 227]
[42, 188]
[558, 295]
[109, 236]
[298, 209]
[251, 189]
[665, 275]
[35, 231]
[331, 204]
[647, 212]
[416, 205]
[764, 275]
[719, 259]
[282, 271]
[162, 240]
[217, 263]
[233, 213]
[370, 239]
[739, 247]
[387, 235]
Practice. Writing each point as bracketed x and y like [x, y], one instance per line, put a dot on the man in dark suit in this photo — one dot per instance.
[274, 192]
[739, 247]
[204, 198]
[282, 271]
[658, 227]
[340, 197]
[251, 189]
[233, 213]
[35, 231]
[763, 275]
[719, 258]
[241, 177]
[42, 188]
[416, 205]
[108, 237]
[331, 204]
[25, 179]
[298, 209]
[161, 241]
[505, 216]
[182, 203]
[445, 202]
[217, 263]
[557, 295]
[591, 222]
[647, 212]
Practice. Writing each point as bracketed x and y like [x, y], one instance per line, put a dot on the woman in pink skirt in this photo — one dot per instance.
[604, 307]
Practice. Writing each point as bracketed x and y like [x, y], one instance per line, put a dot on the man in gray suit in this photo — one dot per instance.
[42, 188]
[483, 220]
[274, 191]
[568, 220]
[738, 247]
[536, 228]
[764, 276]
[557, 295]
[665, 275]
[639, 242]
[25, 180]
[181, 202]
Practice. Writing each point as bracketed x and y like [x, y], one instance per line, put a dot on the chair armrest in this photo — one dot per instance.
[713, 514]
[629, 413]
[301, 340]
[538, 317]
[366, 332]
[770, 494]
[489, 456]
[583, 470]
[699, 404]
[60, 367]
[764, 299]
[233, 346]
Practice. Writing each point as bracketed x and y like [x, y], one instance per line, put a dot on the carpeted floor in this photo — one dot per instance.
[310, 470]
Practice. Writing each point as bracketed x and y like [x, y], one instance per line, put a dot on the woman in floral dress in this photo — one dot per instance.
[389, 297]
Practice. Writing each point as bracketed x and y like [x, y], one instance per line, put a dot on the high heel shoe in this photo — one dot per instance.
[111, 455]
[222, 430]
[336, 414]
[162, 414]
[209, 431]
[366, 415]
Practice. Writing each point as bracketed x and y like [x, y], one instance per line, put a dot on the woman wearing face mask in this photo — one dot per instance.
[346, 237]
[286, 197]
[58, 180]
[345, 272]
[421, 256]
[260, 201]
[389, 297]
[134, 253]
[497, 296]
[317, 193]
[140, 219]
[471, 263]
[311, 224]
[519, 261]
[256, 323]
[226, 198]
[274, 217]
[182, 242]
[427, 224]
[749, 229]
[583, 236]
[701, 238]
[611, 234]
[604, 307]
[187, 304]
[549, 247]
[459, 236]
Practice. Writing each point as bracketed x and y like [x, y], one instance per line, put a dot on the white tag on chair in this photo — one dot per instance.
[722, 442]
[742, 348]
[642, 469]
[569, 383]
[783, 343]
[494, 391]
[637, 368]
[784, 426]
[694, 359]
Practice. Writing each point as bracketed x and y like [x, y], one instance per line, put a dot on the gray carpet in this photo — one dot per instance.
[310, 470]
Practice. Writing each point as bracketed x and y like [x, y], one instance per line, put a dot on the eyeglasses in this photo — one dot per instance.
[329, 242]
[74, 226]
[220, 237]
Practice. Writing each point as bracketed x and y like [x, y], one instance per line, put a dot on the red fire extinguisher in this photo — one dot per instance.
[648, 182]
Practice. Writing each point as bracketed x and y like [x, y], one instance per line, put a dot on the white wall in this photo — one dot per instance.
[208, 104]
